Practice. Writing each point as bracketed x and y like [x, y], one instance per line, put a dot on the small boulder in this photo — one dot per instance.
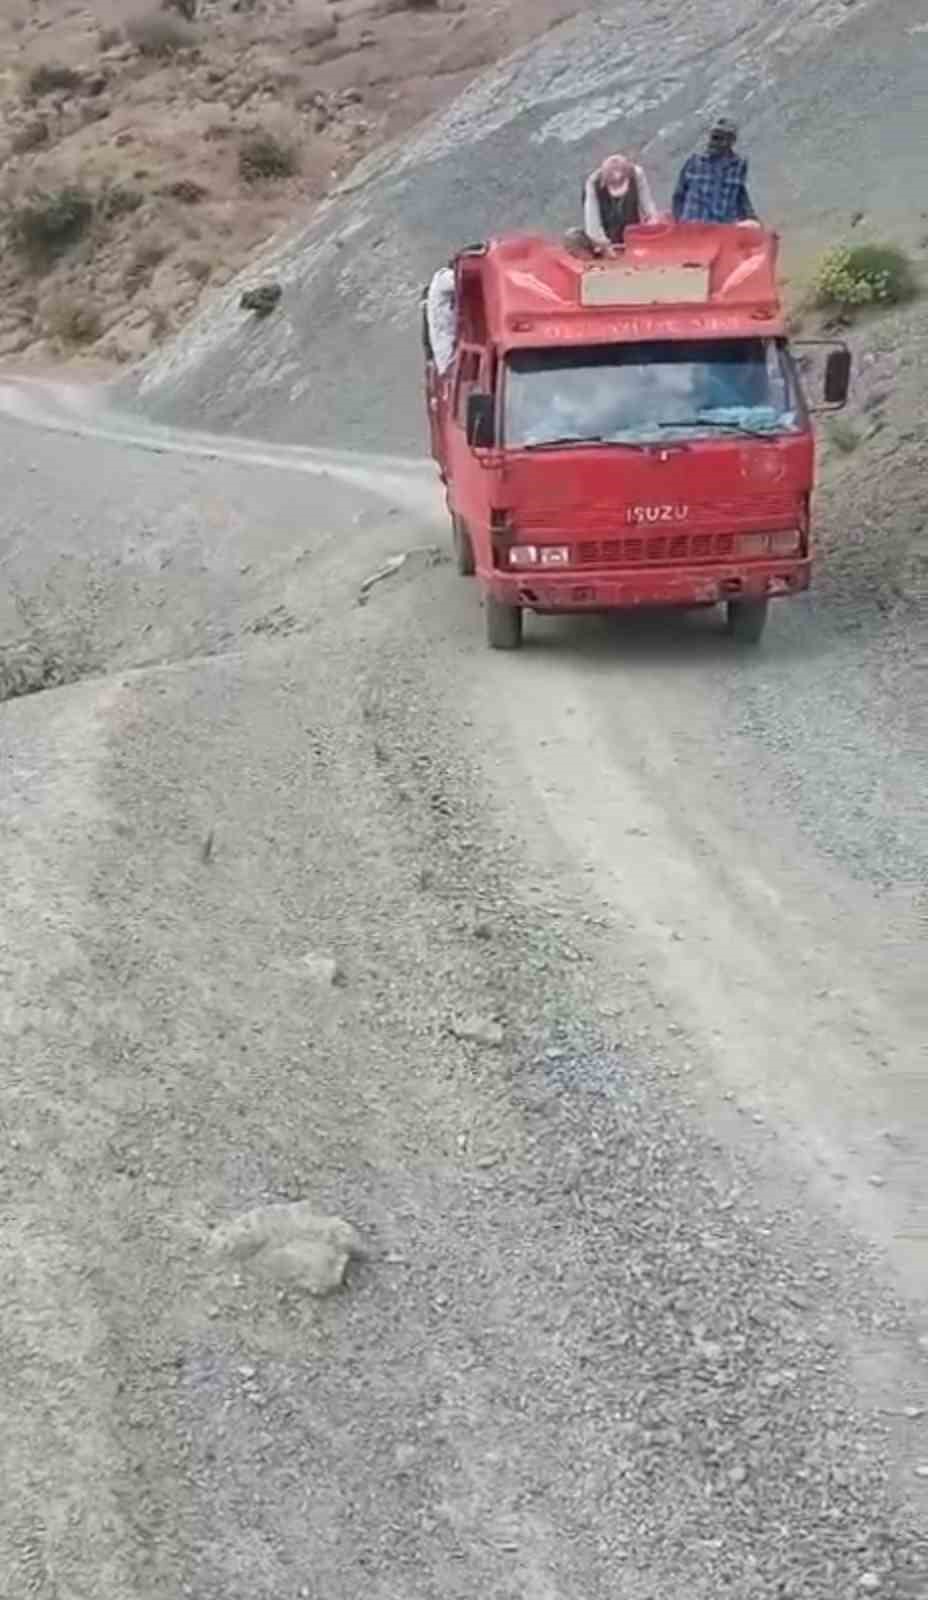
[478, 1030]
[323, 969]
[261, 300]
[291, 1245]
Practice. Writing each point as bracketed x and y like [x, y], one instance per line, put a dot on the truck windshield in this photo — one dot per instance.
[650, 392]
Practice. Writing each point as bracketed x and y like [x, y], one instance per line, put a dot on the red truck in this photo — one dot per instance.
[627, 430]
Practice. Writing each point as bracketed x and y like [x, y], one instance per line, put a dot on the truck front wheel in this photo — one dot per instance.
[745, 620]
[463, 549]
[504, 625]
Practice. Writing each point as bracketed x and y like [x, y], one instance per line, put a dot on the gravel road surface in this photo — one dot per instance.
[585, 985]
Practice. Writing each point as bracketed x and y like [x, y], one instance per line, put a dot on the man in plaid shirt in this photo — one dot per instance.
[713, 187]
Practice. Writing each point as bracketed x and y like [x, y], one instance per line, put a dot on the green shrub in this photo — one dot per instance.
[863, 275]
[48, 222]
[262, 155]
[160, 35]
[50, 78]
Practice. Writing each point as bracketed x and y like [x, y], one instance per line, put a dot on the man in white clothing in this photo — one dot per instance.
[441, 318]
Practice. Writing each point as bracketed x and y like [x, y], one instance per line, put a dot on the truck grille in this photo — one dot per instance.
[640, 549]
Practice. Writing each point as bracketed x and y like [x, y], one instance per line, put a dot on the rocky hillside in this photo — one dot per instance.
[809, 83]
[147, 149]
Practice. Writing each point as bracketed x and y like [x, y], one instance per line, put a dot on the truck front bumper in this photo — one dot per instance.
[626, 589]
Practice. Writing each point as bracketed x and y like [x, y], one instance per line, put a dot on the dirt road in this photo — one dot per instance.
[619, 1083]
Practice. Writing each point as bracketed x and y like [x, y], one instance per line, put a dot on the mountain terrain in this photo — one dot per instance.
[463, 1124]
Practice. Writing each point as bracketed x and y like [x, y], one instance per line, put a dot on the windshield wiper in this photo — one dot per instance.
[732, 427]
[576, 438]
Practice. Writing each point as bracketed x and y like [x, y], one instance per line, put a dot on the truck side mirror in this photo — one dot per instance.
[480, 421]
[837, 377]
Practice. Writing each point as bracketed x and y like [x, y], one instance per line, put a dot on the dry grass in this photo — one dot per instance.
[120, 200]
[74, 322]
[198, 269]
[160, 35]
[263, 157]
[217, 119]
[50, 77]
[46, 223]
[160, 323]
[187, 191]
[147, 255]
[31, 136]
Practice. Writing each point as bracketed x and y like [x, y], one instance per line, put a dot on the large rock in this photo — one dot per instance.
[291, 1245]
[323, 969]
[261, 300]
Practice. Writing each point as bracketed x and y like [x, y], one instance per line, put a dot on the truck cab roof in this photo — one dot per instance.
[670, 281]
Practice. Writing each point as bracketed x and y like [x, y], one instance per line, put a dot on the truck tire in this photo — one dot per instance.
[746, 619]
[504, 625]
[463, 549]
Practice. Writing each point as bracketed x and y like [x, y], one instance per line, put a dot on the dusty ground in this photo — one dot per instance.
[644, 1275]
[155, 139]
